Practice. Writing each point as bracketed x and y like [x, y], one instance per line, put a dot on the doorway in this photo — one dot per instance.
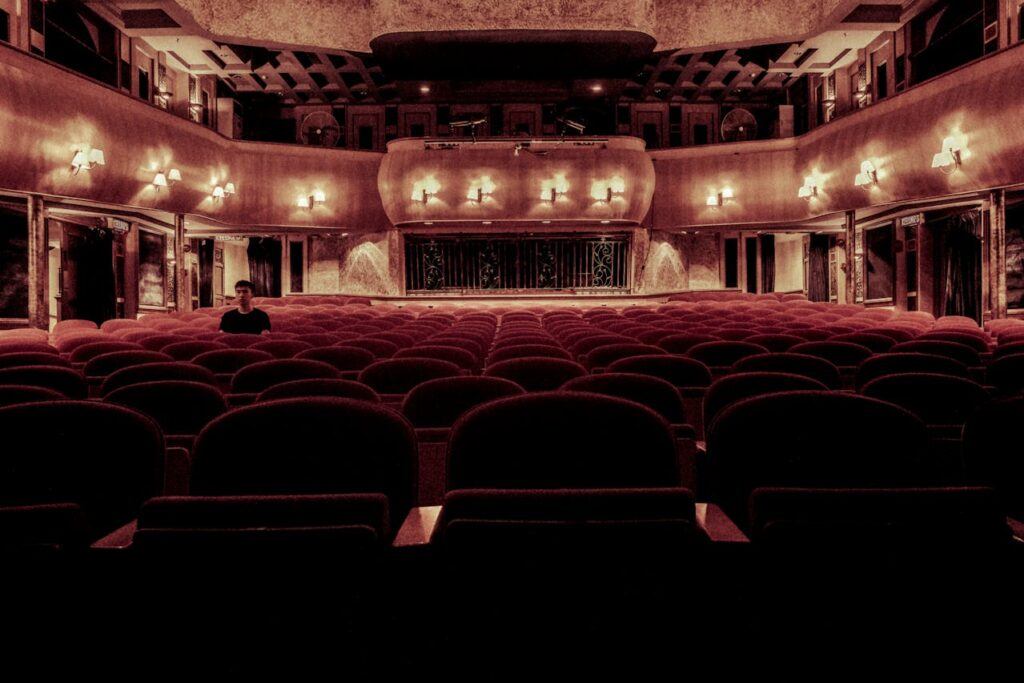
[87, 282]
[957, 259]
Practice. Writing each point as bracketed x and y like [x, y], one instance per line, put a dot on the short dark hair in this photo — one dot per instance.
[245, 283]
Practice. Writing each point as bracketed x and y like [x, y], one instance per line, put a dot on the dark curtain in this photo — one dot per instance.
[92, 292]
[206, 248]
[817, 268]
[961, 265]
[265, 265]
[767, 263]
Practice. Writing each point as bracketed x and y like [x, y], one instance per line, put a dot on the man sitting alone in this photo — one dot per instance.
[245, 319]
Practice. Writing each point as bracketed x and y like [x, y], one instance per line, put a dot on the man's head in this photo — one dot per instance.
[243, 293]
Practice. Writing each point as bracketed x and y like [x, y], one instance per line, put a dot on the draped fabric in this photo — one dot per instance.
[961, 265]
[265, 265]
[817, 268]
[767, 263]
[206, 249]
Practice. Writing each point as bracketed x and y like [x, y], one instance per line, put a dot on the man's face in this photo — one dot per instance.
[243, 295]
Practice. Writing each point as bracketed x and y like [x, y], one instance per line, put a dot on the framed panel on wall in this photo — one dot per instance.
[152, 269]
[880, 265]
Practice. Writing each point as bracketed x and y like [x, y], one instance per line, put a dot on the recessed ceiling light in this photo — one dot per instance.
[424, 89]
[605, 222]
[486, 222]
[596, 87]
[545, 222]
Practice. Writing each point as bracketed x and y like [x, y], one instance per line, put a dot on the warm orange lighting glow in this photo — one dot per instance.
[553, 188]
[481, 189]
[424, 190]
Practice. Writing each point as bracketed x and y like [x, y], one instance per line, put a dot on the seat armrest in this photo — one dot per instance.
[1017, 527]
[177, 469]
[418, 527]
[119, 539]
[717, 524]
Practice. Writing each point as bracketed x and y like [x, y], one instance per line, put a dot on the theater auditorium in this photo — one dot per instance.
[350, 337]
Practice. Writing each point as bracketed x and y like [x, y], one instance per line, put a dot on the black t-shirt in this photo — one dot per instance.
[253, 322]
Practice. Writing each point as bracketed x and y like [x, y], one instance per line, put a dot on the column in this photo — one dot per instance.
[997, 254]
[849, 262]
[182, 298]
[38, 265]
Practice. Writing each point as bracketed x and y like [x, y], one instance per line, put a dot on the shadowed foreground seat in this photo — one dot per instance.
[433, 407]
[536, 373]
[308, 446]
[104, 460]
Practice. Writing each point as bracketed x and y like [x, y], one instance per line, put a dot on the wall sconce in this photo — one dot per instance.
[606, 190]
[719, 199]
[86, 158]
[229, 188]
[423, 190]
[310, 201]
[218, 193]
[868, 175]
[484, 187]
[809, 189]
[554, 188]
[948, 160]
[162, 179]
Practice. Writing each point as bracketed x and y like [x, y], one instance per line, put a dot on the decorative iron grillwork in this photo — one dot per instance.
[516, 263]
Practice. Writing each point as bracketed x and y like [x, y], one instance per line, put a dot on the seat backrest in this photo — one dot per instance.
[574, 440]
[742, 385]
[681, 343]
[344, 358]
[11, 360]
[340, 388]
[723, 354]
[308, 445]
[12, 394]
[461, 357]
[804, 439]
[399, 375]
[1006, 374]
[680, 372]
[65, 380]
[657, 394]
[775, 342]
[991, 449]
[230, 360]
[536, 373]
[344, 527]
[959, 352]
[180, 408]
[603, 356]
[254, 378]
[284, 348]
[936, 399]
[894, 519]
[901, 362]
[438, 403]
[839, 353]
[878, 343]
[86, 352]
[380, 348]
[591, 530]
[19, 346]
[155, 372]
[527, 351]
[105, 458]
[792, 363]
[107, 363]
[190, 349]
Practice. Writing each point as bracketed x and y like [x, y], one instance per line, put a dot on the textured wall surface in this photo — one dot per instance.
[703, 260]
[325, 264]
[352, 24]
[367, 265]
[789, 262]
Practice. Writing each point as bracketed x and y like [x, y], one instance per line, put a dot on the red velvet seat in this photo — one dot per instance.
[958, 352]
[8, 346]
[743, 385]
[190, 349]
[380, 348]
[603, 356]
[157, 372]
[722, 354]
[283, 348]
[536, 373]
[898, 363]
[81, 463]
[748, 447]
[64, 380]
[254, 378]
[527, 351]
[461, 357]
[11, 360]
[181, 408]
[347, 359]
[303, 388]
[12, 394]
[108, 363]
[320, 446]
[681, 343]
[87, 352]
[397, 376]
[793, 363]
